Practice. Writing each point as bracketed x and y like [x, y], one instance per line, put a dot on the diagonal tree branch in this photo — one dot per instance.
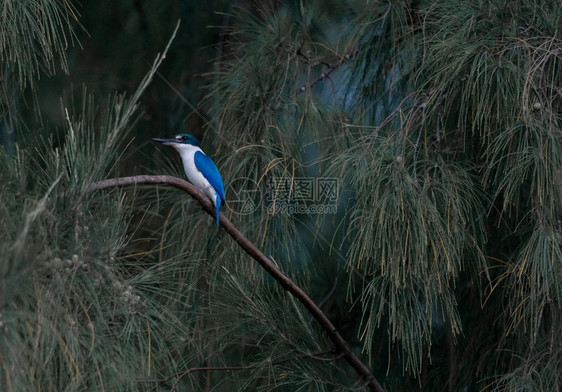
[341, 345]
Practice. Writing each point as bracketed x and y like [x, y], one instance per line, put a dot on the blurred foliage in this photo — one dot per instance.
[440, 122]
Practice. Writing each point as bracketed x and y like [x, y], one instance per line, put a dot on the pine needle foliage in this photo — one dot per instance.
[75, 315]
[70, 308]
[34, 39]
[426, 205]
[439, 121]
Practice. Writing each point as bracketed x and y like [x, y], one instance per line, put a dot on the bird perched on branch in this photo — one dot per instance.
[201, 171]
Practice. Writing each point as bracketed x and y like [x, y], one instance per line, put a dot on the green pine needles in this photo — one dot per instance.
[437, 124]
[34, 39]
[410, 231]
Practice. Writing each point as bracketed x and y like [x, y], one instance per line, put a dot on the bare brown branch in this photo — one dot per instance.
[341, 345]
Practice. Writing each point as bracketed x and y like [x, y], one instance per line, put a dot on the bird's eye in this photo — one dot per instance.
[184, 138]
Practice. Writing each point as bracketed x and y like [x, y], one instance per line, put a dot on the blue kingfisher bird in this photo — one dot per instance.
[201, 171]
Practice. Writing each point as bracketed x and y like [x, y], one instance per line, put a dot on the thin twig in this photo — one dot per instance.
[242, 367]
[326, 73]
[341, 345]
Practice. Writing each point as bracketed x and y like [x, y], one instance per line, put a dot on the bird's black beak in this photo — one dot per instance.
[164, 141]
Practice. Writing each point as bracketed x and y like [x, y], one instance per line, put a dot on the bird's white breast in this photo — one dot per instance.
[187, 153]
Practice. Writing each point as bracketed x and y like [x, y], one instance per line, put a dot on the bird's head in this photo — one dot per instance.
[180, 139]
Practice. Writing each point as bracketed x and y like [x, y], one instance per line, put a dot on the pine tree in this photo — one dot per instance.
[437, 125]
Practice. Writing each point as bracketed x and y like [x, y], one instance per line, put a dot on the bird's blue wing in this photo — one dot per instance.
[209, 170]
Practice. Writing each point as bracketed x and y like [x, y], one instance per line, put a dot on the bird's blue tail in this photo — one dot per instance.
[218, 206]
